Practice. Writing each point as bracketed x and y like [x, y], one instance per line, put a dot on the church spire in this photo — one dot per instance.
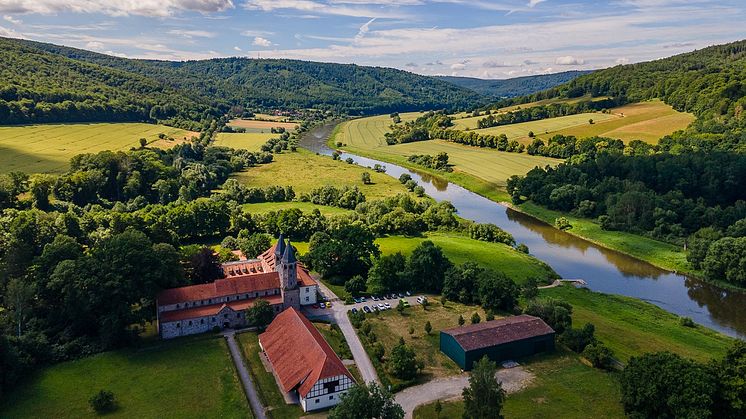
[280, 248]
[289, 255]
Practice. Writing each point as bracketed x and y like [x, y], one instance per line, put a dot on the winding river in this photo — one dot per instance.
[604, 270]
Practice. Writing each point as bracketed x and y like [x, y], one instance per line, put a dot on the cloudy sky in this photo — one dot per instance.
[479, 38]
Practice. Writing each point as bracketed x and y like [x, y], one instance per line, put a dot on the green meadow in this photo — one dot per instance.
[47, 148]
[251, 141]
[520, 130]
[192, 377]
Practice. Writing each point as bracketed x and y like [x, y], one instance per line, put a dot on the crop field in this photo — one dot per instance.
[646, 121]
[193, 377]
[266, 125]
[305, 171]
[369, 132]
[520, 130]
[251, 141]
[48, 148]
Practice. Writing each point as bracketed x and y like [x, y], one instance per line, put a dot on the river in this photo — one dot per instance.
[604, 270]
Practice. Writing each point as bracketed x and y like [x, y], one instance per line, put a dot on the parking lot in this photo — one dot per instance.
[369, 302]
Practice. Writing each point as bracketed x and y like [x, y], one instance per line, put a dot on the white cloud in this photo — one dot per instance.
[622, 60]
[12, 20]
[532, 3]
[494, 64]
[364, 29]
[569, 60]
[10, 33]
[381, 9]
[253, 33]
[158, 8]
[261, 42]
[186, 33]
[237, 49]
[458, 66]
[95, 45]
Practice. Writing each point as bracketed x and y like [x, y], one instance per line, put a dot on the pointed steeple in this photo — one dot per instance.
[289, 255]
[280, 248]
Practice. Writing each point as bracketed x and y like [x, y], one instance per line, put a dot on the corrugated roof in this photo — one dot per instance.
[213, 309]
[498, 332]
[298, 353]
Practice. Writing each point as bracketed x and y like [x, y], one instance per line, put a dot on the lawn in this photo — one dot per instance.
[265, 382]
[632, 327]
[251, 141]
[389, 326]
[190, 377]
[335, 339]
[48, 148]
[563, 387]
[520, 130]
[305, 171]
[265, 207]
[646, 121]
[658, 253]
[262, 125]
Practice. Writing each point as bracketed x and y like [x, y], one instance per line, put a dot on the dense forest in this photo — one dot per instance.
[50, 83]
[518, 86]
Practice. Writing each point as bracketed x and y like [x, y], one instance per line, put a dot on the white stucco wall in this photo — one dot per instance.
[321, 398]
[308, 295]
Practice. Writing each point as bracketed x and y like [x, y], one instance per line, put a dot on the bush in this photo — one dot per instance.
[599, 355]
[475, 318]
[687, 322]
[103, 402]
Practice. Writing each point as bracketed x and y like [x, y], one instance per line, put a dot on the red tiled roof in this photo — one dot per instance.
[213, 309]
[242, 267]
[220, 288]
[298, 353]
[304, 278]
[498, 332]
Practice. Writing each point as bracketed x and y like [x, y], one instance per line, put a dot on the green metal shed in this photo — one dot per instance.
[500, 340]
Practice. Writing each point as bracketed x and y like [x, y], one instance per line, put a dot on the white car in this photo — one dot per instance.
[387, 305]
[421, 299]
[381, 307]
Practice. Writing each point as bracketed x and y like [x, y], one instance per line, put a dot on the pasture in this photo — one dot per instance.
[305, 171]
[261, 125]
[646, 121]
[369, 132]
[251, 141]
[265, 207]
[47, 148]
[192, 377]
[520, 130]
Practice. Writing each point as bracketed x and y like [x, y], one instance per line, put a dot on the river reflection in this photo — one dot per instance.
[604, 270]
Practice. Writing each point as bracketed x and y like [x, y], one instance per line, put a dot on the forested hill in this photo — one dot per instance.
[517, 86]
[711, 83]
[185, 88]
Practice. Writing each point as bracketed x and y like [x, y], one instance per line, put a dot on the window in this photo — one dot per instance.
[307, 290]
[306, 299]
[331, 397]
[190, 322]
[317, 400]
[178, 306]
[202, 321]
[178, 324]
[225, 316]
[213, 319]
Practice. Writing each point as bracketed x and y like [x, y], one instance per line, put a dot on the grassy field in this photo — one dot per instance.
[48, 148]
[564, 387]
[306, 171]
[632, 327]
[646, 121]
[335, 339]
[658, 253]
[389, 326]
[264, 381]
[183, 378]
[368, 132]
[263, 125]
[265, 207]
[247, 140]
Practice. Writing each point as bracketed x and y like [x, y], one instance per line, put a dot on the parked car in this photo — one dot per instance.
[362, 299]
[421, 299]
[404, 302]
[328, 304]
[401, 295]
[374, 297]
[408, 293]
[387, 305]
[366, 309]
[381, 307]
[354, 310]
[315, 306]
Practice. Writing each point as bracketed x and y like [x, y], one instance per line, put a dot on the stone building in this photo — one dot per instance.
[303, 362]
[275, 276]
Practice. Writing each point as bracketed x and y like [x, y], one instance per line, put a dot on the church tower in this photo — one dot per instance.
[287, 269]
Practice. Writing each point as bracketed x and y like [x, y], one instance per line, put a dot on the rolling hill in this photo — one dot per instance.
[518, 86]
[76, 85]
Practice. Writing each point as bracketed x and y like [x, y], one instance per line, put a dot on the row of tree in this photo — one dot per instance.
[535, 113]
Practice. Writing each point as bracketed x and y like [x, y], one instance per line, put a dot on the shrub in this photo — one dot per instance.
[103, 402]
[475, 318]
[687, 322]
[599, 355]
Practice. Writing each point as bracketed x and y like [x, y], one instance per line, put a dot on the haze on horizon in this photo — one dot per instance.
[482, 38]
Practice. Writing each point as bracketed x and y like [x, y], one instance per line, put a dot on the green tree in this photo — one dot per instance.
[260, 314]
[664, 385]
[255, 244]
[461, 320]
[387, 274]
[578, 339]
[530, 289]
[356, 285]
[365, 176]
[556, 313]
[400, 307]
[484, 397]
[403, 362]
[204, 266]
[599, 355]
[345, 250]
[40, 186]
[730, 378]
[428, 327]
[497, 292]
[475, 318]
[143, 142]
[438, 408]
[367, 401]
[103, 402]
[427, 266]
[562, 223]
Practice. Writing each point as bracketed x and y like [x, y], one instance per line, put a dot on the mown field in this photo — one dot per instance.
[369, 132]
[183, 378]
[265, 207]
[251, 141]
[305, 171]
[521, 130]
[48, 148]
[632, 327]
[646, 121]
[563, 387]
[263, 125]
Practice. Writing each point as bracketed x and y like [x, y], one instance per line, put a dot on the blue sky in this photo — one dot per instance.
[479, 38]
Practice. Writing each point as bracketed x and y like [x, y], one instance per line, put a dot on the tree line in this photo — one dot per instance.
[536, 113]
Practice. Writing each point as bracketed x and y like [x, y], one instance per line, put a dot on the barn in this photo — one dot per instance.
[502, 339]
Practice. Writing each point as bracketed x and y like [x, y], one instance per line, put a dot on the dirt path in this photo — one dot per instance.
[513, 380]
[243, 374]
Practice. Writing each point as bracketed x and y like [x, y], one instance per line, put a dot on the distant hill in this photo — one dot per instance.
[71, 84]
[518, 86]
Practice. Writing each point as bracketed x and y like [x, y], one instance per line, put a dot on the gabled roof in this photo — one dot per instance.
[220, 288]
[298, 353]
[498, 332]
[213, 309]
